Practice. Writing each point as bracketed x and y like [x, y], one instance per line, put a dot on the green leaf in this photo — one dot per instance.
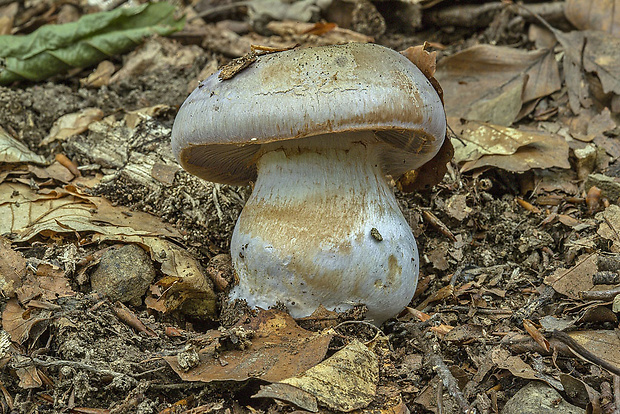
[54, 49]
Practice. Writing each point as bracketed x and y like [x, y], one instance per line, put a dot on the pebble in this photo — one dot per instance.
[124, 274]
[539, 398]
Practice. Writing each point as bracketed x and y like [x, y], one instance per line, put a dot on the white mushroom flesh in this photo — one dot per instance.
[322, 227]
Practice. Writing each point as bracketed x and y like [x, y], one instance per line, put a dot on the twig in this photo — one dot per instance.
[580, 351]
[481, 15]
[76, 365]
[440, 398]
[438, 224]
[439, 366]
[617, 392]
[481, 311]
[600, 294]
[181, 386]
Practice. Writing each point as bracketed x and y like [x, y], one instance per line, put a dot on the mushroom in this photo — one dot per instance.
[318, 130]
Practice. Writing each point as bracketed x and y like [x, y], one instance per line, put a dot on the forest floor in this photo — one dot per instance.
[114, 262]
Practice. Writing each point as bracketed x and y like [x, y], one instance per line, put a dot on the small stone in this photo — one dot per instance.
[539, 398]
[124, 274]
[586, 160]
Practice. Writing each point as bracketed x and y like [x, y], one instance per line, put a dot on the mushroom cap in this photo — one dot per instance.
[299, 93]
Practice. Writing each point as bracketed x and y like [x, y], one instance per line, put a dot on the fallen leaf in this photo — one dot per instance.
[508, 148]
[578, 391]
[14, 151]
[189, 291]
[601, 15]
[28, 376]
[456, 207]
[66, 210]
[609, 227]
[420, 56]
[49, 283]
[531, 329]
[100, 76]
[600, 56]
[12, 268]
[294, 32]
[464, 333]
[345, 381]
[517, 367]
[577, 279]
[72, 124]
[18, 322]
[497, 79]
[602, 343]
[290, 394]
[279, 349]
[157, 53]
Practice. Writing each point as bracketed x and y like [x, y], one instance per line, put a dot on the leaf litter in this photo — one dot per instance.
[501, 280]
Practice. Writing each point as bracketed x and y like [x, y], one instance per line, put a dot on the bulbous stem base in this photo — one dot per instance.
[322, 227]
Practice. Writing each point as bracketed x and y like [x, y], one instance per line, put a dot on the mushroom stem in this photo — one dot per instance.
[322, 227]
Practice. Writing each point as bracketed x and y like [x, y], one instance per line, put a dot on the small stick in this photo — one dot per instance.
[617, 392]
[481, 311]
[600, 294]
[438, 224]
[440, 398]
[580, 351]
[438, 365]
[73, 364]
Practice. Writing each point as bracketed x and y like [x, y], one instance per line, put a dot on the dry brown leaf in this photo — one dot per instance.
[72, 124]
[441, 294]
[457, 208]
[580, 393]
[290, 394]
[464, 333]
[279, 349]
[28, 376]
[577, 279]
[18, 322]
[420, 56]
[601, 15]
[531, 329]
[592, 51]
[517, 367]
[14, 151]
[568, 220]
[133, 118]
[430, 173]
[100, 76]
[601, 56]
[345, 381]
[12, 268]
[66, 210]
[441, 330]
[49, 283]
[508, 148]
[156, 53]
[602, 343]
[494, 80]
[609, 227]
